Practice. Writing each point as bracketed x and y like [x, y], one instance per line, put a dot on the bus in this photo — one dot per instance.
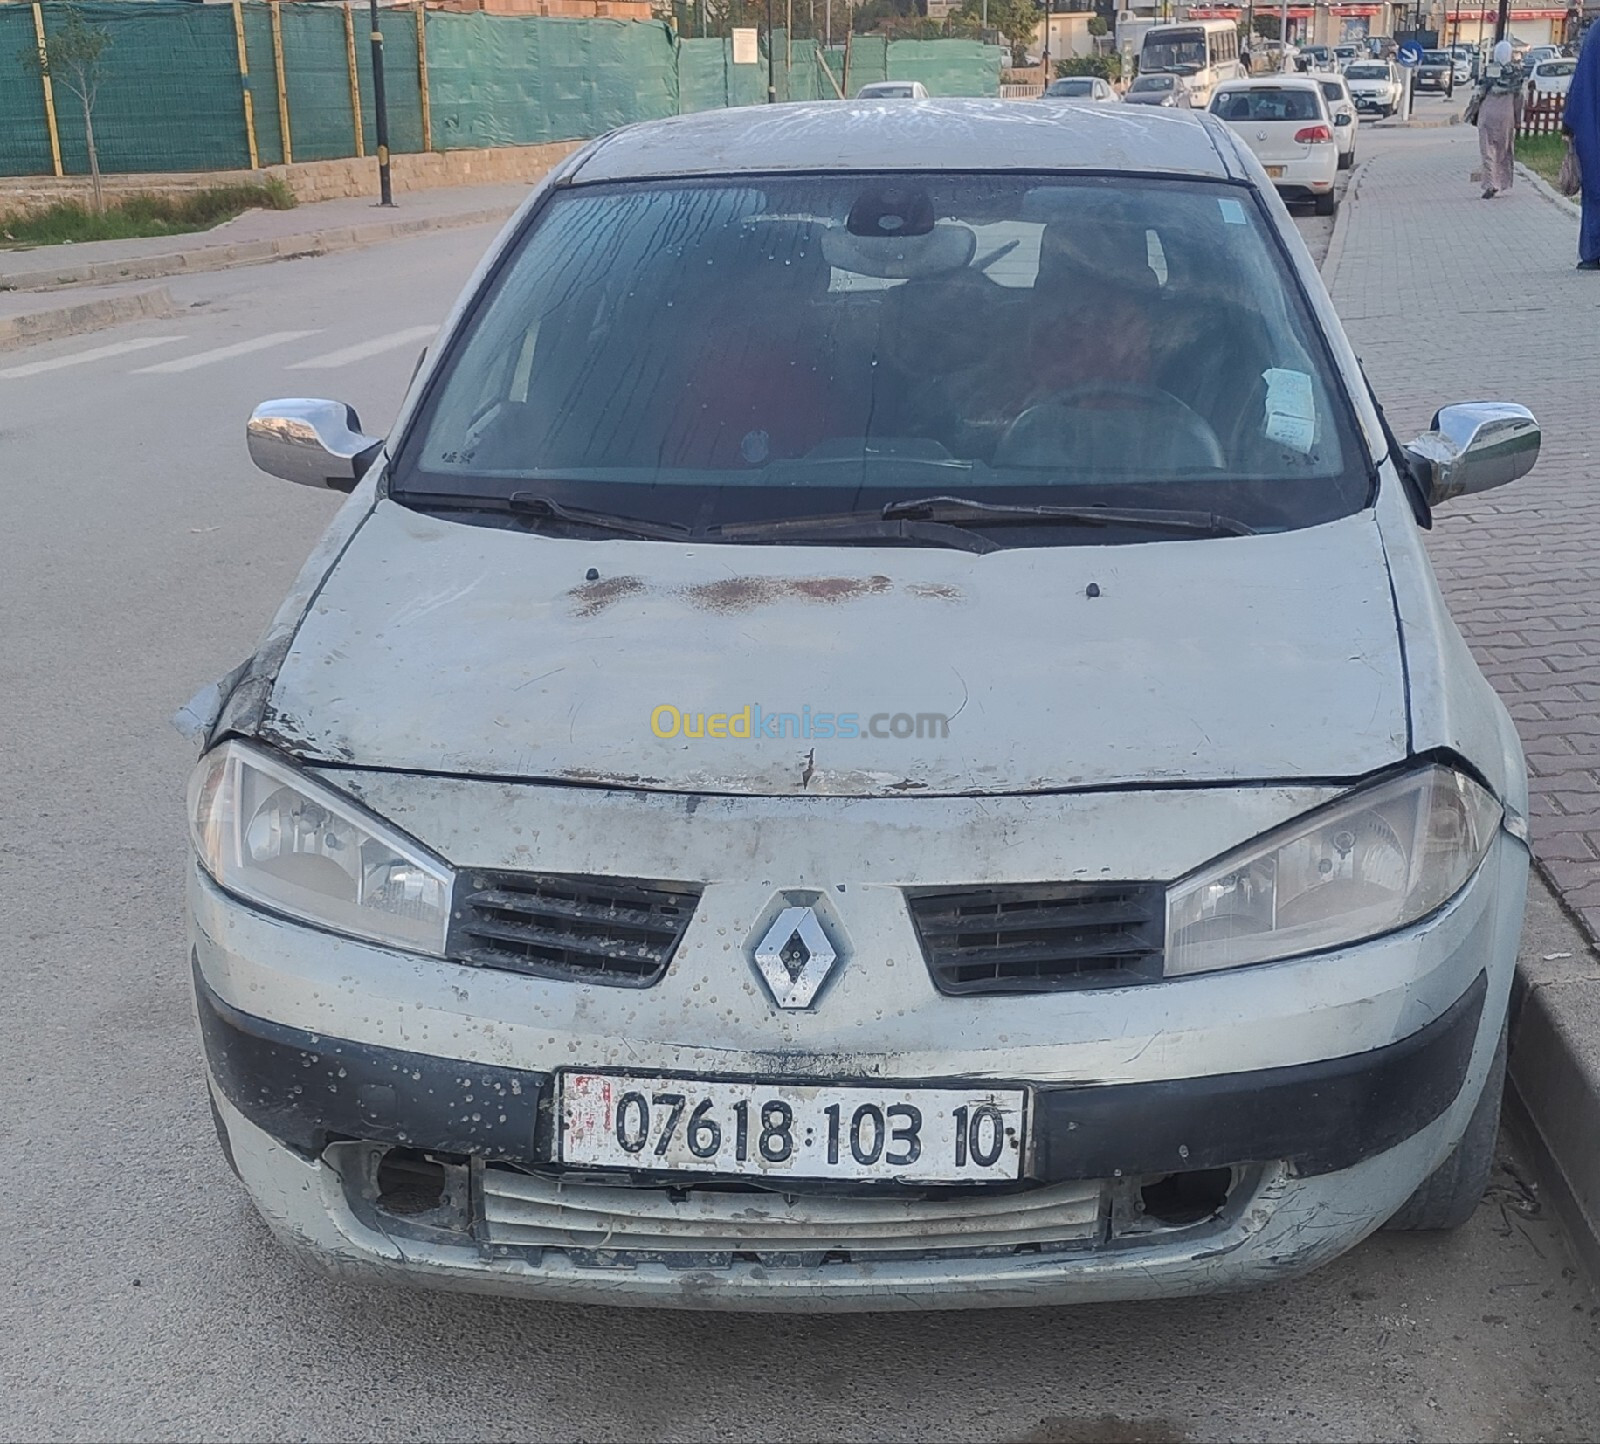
[1204, 52]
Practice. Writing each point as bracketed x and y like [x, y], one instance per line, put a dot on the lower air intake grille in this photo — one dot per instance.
[1041, 937]
[613, 930]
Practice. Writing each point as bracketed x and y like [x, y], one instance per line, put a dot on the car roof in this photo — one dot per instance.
[959, 135]
[1274, 82]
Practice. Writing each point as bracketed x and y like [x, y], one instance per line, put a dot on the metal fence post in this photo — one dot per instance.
[244, 80]
[283, 88]
[49, 90]
[355, 77]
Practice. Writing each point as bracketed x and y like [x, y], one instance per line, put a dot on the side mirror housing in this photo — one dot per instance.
[311, 443]
[1341, 119]
[1473, 446]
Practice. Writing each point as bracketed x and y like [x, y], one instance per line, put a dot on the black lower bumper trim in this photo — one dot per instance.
[1320, 1116]
[306, 1089]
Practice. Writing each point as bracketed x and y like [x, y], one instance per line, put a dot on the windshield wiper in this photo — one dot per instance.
[855, 526]
[978, 513]
[537, 507]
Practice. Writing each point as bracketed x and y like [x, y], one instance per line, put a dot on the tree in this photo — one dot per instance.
[1015, 19]
[72, 58]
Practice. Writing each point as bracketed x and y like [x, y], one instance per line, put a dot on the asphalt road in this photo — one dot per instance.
[140, 1297]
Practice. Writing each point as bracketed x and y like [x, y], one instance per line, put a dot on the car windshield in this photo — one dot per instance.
[1153, 82]
[889, 92]
[708, 352]
[1181, 50]
[1076, 86]
[1267, 104]
[1437, 57]
[1367, 72]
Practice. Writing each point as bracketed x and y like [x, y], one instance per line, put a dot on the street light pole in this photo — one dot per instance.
[380, 110]
[1502, 21]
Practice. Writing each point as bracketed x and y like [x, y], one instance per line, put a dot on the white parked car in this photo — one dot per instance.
[1285, 120]
[1079, 87]
[1376, 86]
[1342, 108]
[1551, 77]
[828, 762]
[893, 90]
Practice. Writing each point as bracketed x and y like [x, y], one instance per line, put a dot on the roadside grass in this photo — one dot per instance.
[1542, 154]
[137, 215]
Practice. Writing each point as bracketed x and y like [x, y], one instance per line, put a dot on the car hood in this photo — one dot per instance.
[449, 648]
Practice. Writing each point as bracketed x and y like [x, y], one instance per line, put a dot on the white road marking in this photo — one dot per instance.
[99, 353]
[223, 353]
[375, 347]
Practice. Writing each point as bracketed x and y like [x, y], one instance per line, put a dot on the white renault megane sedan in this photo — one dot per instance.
[878, 734]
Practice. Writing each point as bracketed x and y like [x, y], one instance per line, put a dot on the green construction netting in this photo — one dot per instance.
[506, 80]
[263, 83]
[402, 84]
[172, 97]
[947, 67]
[316, 67]
[24, 131]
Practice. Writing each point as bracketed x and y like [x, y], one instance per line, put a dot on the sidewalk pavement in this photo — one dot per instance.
[1447, 297]
[257, 237]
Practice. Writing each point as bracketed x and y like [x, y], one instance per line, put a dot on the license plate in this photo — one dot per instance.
[1274, 171]
[792, 1130]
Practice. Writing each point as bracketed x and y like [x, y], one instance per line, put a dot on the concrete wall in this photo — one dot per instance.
[323, 180]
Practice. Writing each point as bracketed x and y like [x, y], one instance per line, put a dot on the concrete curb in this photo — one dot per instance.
[1549, 192]
[252, 253]
[73, 320]
[1554, 1077]
[1341, 225]
[1454, 118]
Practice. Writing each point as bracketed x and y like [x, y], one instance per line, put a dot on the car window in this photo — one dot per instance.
[1556, 67]
[1153, 82]
[1333, 90]
[1367, 72]
[1267, 104]
[702, 352]
[1071, 87]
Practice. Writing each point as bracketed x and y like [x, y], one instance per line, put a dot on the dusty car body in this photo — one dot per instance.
[527, 958]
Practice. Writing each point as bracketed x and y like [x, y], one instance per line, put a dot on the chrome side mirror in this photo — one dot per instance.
[1474, 445]
[313, 443]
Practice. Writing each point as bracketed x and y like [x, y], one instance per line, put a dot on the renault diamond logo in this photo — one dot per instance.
[795, 957]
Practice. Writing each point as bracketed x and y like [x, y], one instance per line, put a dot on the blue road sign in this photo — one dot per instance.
[1410, 54]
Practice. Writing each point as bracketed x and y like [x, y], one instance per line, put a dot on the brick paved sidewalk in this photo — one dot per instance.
[1448, 297]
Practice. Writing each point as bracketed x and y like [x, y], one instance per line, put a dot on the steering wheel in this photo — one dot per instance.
[1117, 426]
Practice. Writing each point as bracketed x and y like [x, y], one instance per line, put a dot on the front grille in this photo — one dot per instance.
[602, 1225]
[1041, 937]
[613, 930]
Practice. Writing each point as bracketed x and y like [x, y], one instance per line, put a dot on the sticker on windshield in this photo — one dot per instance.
[1291, 410]
[1232, 212]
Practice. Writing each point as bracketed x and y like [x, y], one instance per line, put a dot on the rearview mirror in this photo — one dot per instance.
[312, 443]
[1473, 446]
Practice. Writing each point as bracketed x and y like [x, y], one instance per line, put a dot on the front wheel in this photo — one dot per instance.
[1450, 1194]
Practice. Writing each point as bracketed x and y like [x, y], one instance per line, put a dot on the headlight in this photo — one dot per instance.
[1367, 864]
[275, 837]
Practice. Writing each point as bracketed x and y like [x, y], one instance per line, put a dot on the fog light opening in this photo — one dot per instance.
[1177, 1200]
[411, 1184]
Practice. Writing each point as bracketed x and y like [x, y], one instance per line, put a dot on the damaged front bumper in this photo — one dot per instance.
[428, 1154]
